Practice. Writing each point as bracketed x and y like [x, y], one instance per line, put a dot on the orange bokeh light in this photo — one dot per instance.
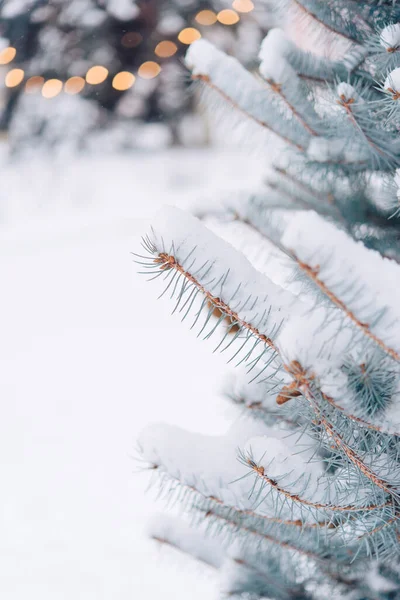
[166, 49]
[149, 70]
[7, 55]
[74, 85]
[51, 88]
[34, 84]
[123, 81]
[96, 75]
[14, 77]
[189, 35]
[206, 17]
[228, 17]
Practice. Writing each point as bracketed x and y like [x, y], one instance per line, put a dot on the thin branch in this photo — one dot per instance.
[312, 273]
[277, 89]
[323, 24]
[267, 537]
[246, 512]
[206, 79]
[168, 261]
[260, 472]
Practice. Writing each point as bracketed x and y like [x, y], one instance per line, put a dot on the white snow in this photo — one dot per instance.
[273, 63]
[392, 81]
[89, 357]
[222, 270]
[348, 92]
[390, 36]
[340, 258]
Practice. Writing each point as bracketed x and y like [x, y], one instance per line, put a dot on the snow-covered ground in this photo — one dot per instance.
[88, 358]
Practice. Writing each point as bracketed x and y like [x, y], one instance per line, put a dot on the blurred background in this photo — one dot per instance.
[99, 126]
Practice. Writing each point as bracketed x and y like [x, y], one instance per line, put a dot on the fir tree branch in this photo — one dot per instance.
[276, 88]
[313, 274]
[213, 503]
[269, 538]
[259, 470]
[324, 24]
[167, 261]
[205, 79]
[303, 380]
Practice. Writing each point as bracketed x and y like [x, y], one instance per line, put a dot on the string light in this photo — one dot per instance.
[149, 70]
[34, 84]
[51, 88]
[243, 6]
[228, 17]
[14, 77]
[96, 75]
[74, 85]
[7, 55]
[131, 39]
[166, 49]
[206, 17]
[123, 81]
[189, 35]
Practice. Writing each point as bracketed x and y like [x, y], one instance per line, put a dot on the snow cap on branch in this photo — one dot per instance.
[390, 37]
[392, 83]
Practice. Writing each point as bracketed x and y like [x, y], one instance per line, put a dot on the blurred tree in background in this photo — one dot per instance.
[106, 67]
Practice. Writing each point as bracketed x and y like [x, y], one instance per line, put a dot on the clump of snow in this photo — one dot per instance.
[374, 297]
[201, 55]
[273, 64]
[347, 92]
[392, 81]
[224, 271]
[210, 465]
[390, 36]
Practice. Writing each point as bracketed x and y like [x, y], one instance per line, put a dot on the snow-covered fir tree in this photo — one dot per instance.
[298, 282]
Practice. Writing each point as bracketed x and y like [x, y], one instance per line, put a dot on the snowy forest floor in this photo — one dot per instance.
[89, 357]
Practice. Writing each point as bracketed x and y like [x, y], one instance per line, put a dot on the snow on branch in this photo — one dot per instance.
[339, 18]
[370, 279]
[238, 87]
[304, 64]
[284, 81]
[195, 263]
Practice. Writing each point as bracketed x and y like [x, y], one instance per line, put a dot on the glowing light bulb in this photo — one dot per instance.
[7, 55]
[14, 77]
[74, 85]
[228, 17]
[51, 88]
[189, 35]
[123, 81]
[149, 70]
[206, 17]
[243, 6]
[96, 75]
[34, 84]
[166, 49]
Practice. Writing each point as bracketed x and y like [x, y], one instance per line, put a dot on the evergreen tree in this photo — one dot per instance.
[303, 295]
